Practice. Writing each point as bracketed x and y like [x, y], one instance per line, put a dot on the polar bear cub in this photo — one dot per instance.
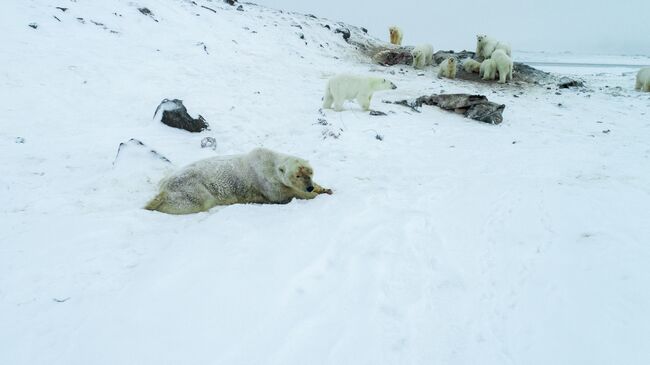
[643, 79]
[470, 65]
[422, 55]
[485, 46]
[260, 176]
[395, 35]
[503, 64]
[344, 87]
[448, 68]
[488, 70]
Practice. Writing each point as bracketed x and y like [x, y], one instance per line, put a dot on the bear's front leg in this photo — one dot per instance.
[321, 190]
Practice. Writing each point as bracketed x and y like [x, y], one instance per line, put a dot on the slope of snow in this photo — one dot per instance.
[447, 242]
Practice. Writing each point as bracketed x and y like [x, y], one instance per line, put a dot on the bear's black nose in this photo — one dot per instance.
[310, 189]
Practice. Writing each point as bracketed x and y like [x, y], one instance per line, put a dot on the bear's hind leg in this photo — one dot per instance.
[646, 86]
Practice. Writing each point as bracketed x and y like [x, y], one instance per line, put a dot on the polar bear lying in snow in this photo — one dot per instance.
[470, 65]
[260, 176]
[351, 87]
[422, 55]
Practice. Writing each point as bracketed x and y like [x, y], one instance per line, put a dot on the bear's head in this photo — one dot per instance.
[296, 173]
[451, 61]
[392, 30]
[387, 85]
[480, 37]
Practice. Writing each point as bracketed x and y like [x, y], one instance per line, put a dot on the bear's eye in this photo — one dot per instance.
[281, 170]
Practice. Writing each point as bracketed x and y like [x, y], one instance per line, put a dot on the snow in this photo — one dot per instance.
[449, 241]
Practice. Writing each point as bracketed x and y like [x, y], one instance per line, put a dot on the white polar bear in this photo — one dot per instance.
[488, 70]
[470, 65]
[643, 79]
[260, 176]
[351, 87]
[422, 55]
[395, 35]
[503, 64]
[448, 68]
[485, 46]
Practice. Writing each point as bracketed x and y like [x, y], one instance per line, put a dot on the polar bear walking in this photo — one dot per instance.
[422, 56]
[503, 64]
[260, 176]
[643, 79]
[448, 68]
[351, 87]
[395, 35]
[485, 46]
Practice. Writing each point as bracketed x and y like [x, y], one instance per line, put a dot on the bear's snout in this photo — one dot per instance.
[310, 189]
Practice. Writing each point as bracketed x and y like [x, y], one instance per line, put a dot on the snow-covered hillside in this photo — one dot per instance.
[448, 241]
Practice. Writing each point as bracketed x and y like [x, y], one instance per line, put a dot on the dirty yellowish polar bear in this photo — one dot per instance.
[352, 87]
[448, 68]
[260, 176]
[422, 56]
[395, 35]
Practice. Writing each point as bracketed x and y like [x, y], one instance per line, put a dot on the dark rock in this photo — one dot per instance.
[61, 8]
[345, 32]
[33, 25]
[175, 115]
[230, 2]
[364, 30]
[209, 142]
[377, 113]
[240, 8]
[312, 16]
[565, 83]
[476, 107]
[145, 11]
[19, 140]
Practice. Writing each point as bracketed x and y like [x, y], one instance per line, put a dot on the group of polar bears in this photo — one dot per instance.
[266, 176]
[496, 58]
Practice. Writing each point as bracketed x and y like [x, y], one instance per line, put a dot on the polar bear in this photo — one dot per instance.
[260, 176]
[488, 70]
[470, 65]
[503, 64]
[485, 46]
[422, 55]
[395, 35]
[344, 87]
[448, 68]
[643, 79]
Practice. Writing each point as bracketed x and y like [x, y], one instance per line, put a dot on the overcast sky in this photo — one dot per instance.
[581, 26]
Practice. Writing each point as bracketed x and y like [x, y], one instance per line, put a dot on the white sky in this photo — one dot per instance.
[580, 26]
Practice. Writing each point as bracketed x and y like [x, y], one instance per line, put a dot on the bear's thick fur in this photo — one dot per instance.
[448, 68]
[643, 79]
[471, 65]
[352, 87]
[485, 46]
[503, 64]
[488, 70]
[422, 55]
[395, 35]
[260, 176]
